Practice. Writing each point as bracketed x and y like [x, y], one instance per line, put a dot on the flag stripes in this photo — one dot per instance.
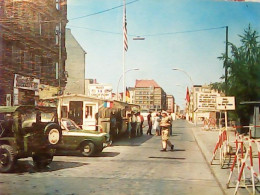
[125, 30]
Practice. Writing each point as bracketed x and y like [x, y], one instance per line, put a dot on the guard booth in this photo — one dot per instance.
[91, 113]
[254, 126]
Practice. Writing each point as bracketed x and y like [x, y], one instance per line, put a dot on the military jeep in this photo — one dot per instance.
[28, 131]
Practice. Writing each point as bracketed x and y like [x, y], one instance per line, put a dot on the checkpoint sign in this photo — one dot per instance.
[225, 103]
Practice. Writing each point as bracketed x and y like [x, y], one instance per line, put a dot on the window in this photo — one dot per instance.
[57, 4]
[16, 54]
[89, 112]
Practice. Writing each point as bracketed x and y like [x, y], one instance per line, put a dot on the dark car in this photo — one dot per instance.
[28, 131]
[88, 142]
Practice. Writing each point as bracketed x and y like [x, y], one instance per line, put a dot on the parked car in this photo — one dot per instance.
[88, 142]
[28, 131]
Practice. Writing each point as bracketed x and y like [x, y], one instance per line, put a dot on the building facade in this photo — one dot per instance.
[149, 95]
[170, 103]
[32, 49]
[75, 65]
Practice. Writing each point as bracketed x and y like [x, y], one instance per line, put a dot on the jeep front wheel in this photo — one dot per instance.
[87, 149]
[7, 158]
[41, 160]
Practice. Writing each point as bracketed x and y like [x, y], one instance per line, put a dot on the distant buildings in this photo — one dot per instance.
[170, 103]
[149, 95]
[32, 50]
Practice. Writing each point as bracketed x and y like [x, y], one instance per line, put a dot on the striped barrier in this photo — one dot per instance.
[242, 161]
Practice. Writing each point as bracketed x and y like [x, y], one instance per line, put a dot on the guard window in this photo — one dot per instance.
[89, 112]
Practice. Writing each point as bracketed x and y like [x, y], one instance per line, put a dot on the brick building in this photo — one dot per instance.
[32, 49]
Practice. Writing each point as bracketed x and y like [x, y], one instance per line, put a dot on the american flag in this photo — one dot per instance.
[125, 30]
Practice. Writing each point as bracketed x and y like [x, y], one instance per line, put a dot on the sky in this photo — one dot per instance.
[185, 34]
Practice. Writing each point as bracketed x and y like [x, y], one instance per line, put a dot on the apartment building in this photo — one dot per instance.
[32, 49]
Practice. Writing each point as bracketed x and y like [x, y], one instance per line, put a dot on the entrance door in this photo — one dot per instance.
[90, 120]
[76, 112]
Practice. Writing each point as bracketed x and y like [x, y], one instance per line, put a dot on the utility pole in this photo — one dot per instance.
[226, 63]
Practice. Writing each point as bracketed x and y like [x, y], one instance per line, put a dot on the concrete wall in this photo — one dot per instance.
[75, 65]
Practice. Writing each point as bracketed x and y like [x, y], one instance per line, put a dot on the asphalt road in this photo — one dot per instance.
[130, 166]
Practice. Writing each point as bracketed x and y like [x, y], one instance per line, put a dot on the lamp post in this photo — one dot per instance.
[121, 78]
[178, 69]
[189, 107]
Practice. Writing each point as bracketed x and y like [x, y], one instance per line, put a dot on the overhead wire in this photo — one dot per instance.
[150, 35]
[100, 12]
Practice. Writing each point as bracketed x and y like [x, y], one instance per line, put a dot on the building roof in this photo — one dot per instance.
[146, 83]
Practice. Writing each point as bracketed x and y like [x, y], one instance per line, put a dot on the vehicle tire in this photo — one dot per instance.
[41, 160]
[53, 133]
[87, 149]
[7, 158]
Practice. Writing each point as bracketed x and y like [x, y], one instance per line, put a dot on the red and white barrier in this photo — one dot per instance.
[242, 161]
[223, 146]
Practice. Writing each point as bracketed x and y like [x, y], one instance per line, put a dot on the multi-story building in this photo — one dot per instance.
[170, 103]
[32, 49]
[75, 65]
[149, 95]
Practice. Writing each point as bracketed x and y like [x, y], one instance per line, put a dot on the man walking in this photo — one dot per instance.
[150, 124]
[165, 124]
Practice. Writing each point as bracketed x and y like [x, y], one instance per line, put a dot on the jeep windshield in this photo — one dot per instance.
[69, 124]
[32, 116]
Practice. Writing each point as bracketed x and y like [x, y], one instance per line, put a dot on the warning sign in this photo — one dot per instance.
[225, 103]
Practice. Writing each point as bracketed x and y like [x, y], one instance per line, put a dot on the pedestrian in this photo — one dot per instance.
[133, 124]
[171, 119]
[156, 124]
[142, 124]
[150, 124]
[129, 125]
[160, 116]
[165, 124]
[113, 125]
[138, 124]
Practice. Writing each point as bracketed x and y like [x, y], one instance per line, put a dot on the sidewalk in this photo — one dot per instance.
[207, 140]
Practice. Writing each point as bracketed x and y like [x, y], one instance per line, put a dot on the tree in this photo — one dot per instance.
[243, 73]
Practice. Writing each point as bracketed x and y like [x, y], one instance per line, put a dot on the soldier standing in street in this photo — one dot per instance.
[150, 124]
[165, 124]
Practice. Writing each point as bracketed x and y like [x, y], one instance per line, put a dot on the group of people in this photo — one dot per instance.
[135, 124]
[161, 123]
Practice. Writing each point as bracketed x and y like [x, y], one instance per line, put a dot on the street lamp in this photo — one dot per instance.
[190, 107]
[121, 78]
[178, 69]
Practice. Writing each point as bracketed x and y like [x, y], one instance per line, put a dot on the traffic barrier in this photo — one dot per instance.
[223, 146]
[242, 161]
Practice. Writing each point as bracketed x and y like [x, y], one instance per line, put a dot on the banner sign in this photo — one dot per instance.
[24, 82]
[226, 103]
[207, 101]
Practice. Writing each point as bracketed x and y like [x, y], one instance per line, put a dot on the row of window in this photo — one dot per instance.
[26, 60]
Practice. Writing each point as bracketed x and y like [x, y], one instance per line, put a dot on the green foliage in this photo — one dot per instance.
[243, 67]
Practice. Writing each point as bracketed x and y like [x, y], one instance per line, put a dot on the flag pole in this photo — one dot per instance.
[124, 18]
[125, 48]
